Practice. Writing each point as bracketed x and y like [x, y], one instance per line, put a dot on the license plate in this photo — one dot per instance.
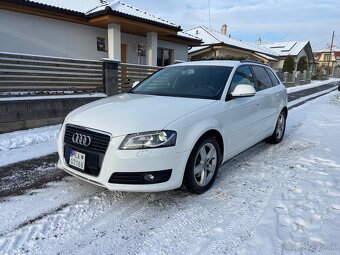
[77, 159]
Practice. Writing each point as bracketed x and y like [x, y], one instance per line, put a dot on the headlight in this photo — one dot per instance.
[148, 140]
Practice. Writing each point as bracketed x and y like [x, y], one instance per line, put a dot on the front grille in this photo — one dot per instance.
[139, 177]
[99, 141]
[94, 153]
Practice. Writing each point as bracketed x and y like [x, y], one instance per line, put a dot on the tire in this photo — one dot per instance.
[280, 128]
[201, 174]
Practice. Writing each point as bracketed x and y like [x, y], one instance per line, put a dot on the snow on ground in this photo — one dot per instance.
[309, 97]
[313, 84]
[303, 213]
[26, 144]
[271, 199]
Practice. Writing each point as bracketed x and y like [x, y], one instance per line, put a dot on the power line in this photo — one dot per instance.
[327, 39]
[337, 41]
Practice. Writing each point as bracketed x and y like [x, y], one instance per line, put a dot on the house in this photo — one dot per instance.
[91, 29]
[217, 45]
[330, 58]
[293, 48]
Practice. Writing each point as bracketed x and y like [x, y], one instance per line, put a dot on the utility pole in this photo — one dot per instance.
[330, 55]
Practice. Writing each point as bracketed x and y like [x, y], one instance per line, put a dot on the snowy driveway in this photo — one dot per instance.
[282, 199]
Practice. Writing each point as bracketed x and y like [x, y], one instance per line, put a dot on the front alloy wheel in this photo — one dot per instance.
[279, 128]
[202, 165]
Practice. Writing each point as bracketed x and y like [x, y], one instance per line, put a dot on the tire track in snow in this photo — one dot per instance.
[201, 220]
[226, 239]
[54, 227]
[127, 209]
[177, 223]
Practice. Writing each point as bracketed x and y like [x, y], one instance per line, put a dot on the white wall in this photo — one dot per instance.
[277, 65]
[23, 33]
[180, 50]
[132, 42]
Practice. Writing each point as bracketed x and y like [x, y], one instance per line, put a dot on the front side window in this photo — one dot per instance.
[262, 77]
[243, 75]
[186, 81]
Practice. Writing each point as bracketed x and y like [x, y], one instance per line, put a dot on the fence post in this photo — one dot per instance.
[110, 76]
[296, 77]
[285, 77]
[309, 75]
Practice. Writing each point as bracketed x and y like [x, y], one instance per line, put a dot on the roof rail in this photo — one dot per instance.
[252, 61]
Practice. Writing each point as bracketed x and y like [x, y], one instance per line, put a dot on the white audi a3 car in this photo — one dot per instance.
[175, 127]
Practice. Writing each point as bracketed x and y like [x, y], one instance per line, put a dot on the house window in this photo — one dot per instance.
[165, 57]
[327, 57]
[101, 44]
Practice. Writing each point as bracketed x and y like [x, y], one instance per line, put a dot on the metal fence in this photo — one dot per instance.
[336, 72]
[130, 73]
[20, 72]
[295, 78]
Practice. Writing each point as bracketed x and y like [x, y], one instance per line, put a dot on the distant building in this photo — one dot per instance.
[295, 49]
[218, 45]
[326, 58]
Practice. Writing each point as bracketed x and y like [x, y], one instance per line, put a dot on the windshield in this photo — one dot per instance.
[186, 81]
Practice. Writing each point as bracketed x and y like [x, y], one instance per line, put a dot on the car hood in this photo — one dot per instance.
[131, 113]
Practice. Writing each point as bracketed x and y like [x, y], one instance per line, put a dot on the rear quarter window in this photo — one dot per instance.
[262, 77]
[272, 76]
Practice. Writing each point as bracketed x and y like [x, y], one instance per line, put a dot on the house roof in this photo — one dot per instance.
[198, 48]
[92, 8]
[292, 48]
[187, 36]
[210, 37]
[72, 5]
[119, 7]
[266, 56]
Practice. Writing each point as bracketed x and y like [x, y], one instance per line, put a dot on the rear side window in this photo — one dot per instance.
[272, 76]
[243, 75]
[262, 77]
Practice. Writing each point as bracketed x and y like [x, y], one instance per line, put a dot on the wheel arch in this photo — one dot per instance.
[217, 135]
[285, 110]
[207, 134]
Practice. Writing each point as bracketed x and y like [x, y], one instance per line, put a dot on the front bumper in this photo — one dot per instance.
[132, 161]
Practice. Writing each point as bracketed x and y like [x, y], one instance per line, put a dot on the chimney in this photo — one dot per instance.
[224, 29]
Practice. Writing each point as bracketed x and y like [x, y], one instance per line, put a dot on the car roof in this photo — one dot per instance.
[230, 63]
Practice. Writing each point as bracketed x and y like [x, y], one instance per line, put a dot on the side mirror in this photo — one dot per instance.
[135, 84]
[243, 90]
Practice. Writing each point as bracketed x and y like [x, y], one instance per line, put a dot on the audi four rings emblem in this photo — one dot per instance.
[81, 139]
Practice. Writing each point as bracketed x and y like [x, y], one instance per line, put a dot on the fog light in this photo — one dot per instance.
[149, 177]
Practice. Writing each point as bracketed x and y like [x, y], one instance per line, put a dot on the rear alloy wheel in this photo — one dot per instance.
[279, 129]
[202, 166]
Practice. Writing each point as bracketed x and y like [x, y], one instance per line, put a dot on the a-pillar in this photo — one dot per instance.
[114, 41]
[151, 48]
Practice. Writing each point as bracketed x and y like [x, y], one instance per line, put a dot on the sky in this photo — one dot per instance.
[247, 20]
